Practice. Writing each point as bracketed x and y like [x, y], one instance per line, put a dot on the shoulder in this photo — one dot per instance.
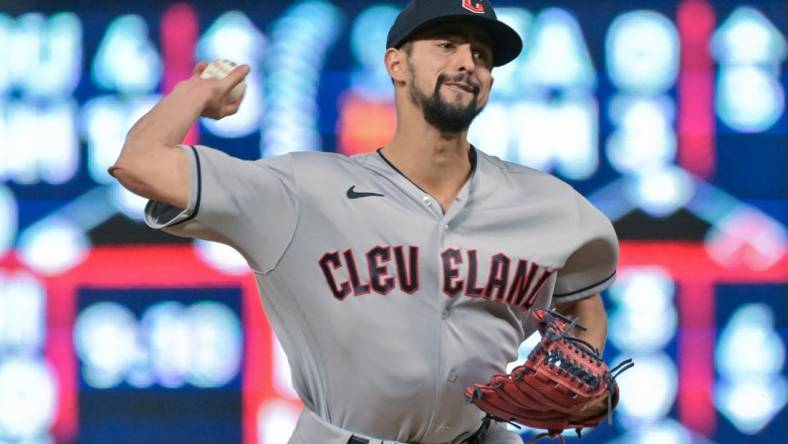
[521, 178]
[308, 162]
[326, 161]
[316, 172]
[527, 185]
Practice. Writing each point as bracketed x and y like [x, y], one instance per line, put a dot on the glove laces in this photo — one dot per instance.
[586, 350]
[583, 348]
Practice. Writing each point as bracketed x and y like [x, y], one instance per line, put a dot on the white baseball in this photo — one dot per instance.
[219, 69]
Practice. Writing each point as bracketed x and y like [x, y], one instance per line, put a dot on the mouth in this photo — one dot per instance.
[462, 87]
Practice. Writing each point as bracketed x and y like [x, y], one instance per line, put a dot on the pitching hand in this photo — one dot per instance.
[219, 104]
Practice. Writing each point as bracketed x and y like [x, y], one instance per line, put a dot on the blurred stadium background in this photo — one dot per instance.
[669, 115]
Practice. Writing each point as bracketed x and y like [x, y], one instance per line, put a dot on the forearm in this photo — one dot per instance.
[167, 123]
[147, 164]
[590, 313]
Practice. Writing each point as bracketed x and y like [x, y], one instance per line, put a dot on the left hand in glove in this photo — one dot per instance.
[563, 384]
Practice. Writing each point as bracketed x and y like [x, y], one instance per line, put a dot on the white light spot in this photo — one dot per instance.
[221, 257]
[747, 37]
[749, 346]
[643, 52]
[38, 142]
[648, 390]
[749, 98]
[644, 318]
[53, 246]
[22, 312]
[233, 36]
[660, 192]
[751, 404]
[28, 397]
[560, 135]
[644, 138]
[105, 339]
[127, 60]
[556, 54]
[169, 342]
[247, 119]
[217, 345]
[490, 130]
[282, 374]
[276, 421]
[41, 55]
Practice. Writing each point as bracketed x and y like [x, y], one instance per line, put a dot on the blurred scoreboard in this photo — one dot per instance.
[670, 116]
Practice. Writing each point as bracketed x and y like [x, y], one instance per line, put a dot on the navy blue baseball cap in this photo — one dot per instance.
[420, 14]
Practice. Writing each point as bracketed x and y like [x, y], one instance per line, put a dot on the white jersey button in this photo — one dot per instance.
[427, 200]
[445, 314]
[444, 428]
[446, 227]
[452, 376]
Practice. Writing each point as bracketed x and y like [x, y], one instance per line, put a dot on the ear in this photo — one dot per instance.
[396, 60]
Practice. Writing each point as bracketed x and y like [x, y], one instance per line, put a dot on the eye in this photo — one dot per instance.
[481, 55]
[446, 45]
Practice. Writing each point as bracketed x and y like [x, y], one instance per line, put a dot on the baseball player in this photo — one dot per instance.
[397, 278]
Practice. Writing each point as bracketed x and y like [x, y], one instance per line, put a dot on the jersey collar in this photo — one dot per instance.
[472, 156]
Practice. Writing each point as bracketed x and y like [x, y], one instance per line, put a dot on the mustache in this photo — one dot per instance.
[460, 78]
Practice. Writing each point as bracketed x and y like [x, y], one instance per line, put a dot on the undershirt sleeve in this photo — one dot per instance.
[251, 206]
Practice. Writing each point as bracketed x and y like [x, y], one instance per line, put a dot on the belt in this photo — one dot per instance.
[476, 438]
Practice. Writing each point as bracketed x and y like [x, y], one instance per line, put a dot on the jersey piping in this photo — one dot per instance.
[472, 156]
[585, 288]
[199, 190]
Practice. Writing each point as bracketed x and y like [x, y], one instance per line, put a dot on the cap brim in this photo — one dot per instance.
[506, 43]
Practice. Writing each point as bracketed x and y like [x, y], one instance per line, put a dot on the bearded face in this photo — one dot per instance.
[452, 105]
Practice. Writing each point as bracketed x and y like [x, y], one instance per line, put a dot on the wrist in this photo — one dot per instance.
[192, 92]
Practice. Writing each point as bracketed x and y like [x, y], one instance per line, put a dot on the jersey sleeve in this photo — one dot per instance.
[251, 206]
[591, 267]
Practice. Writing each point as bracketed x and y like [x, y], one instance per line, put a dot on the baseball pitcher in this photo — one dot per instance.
[401, 282]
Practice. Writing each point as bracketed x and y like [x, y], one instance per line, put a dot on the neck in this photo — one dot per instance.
[437, 162]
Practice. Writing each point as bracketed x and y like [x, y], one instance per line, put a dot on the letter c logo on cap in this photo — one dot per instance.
[474, 8]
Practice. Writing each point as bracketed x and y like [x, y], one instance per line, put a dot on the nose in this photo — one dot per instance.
[464, 56]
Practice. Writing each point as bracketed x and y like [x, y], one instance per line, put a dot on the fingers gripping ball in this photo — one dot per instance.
[219, 69]
[553, 390]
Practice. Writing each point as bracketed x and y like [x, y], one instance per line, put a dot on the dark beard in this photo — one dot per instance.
[446, 117]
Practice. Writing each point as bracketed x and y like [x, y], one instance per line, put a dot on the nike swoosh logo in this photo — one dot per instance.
[353, 194]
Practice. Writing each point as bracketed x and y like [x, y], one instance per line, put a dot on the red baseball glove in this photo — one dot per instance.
[564, 383]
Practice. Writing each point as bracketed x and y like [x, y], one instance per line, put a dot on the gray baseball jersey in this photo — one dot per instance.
[386, 307]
